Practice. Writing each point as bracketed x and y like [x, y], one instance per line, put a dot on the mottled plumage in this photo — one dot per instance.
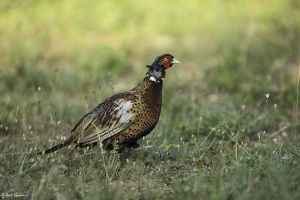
[123, 118]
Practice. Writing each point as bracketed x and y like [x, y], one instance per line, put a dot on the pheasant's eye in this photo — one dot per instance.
[165, 59]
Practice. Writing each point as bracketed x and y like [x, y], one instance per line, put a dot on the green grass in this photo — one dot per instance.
[229, 127]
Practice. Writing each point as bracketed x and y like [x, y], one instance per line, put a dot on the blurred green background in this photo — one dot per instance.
[238, 80]
[236, 45]
[74, 48]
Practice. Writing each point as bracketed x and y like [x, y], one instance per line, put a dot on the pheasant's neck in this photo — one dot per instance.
[156, 74]
[152, 83]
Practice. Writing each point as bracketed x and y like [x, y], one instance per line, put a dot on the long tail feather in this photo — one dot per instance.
[58, 146]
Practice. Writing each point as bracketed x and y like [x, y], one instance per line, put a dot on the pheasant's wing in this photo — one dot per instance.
[106, 120]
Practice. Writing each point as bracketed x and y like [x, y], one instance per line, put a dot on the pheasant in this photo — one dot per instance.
[125, 117]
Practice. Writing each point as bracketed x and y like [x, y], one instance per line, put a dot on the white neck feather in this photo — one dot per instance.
[153, 78]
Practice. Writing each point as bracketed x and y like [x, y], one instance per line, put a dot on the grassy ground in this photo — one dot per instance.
[229, 127]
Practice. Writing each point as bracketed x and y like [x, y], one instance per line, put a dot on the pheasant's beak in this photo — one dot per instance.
[175, 61]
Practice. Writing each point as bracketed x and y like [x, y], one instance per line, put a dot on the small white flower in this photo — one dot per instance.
[267, 95]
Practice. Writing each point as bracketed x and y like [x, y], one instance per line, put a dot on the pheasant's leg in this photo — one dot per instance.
[133, 145]
[108, 144]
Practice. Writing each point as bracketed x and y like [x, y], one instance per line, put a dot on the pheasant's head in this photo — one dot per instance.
[156, 71]
[166, 61]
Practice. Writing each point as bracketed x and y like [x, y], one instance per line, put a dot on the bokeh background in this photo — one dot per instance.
[239, 73]
[245, 47]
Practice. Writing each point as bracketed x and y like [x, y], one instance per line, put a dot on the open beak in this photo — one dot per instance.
[175, 61]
